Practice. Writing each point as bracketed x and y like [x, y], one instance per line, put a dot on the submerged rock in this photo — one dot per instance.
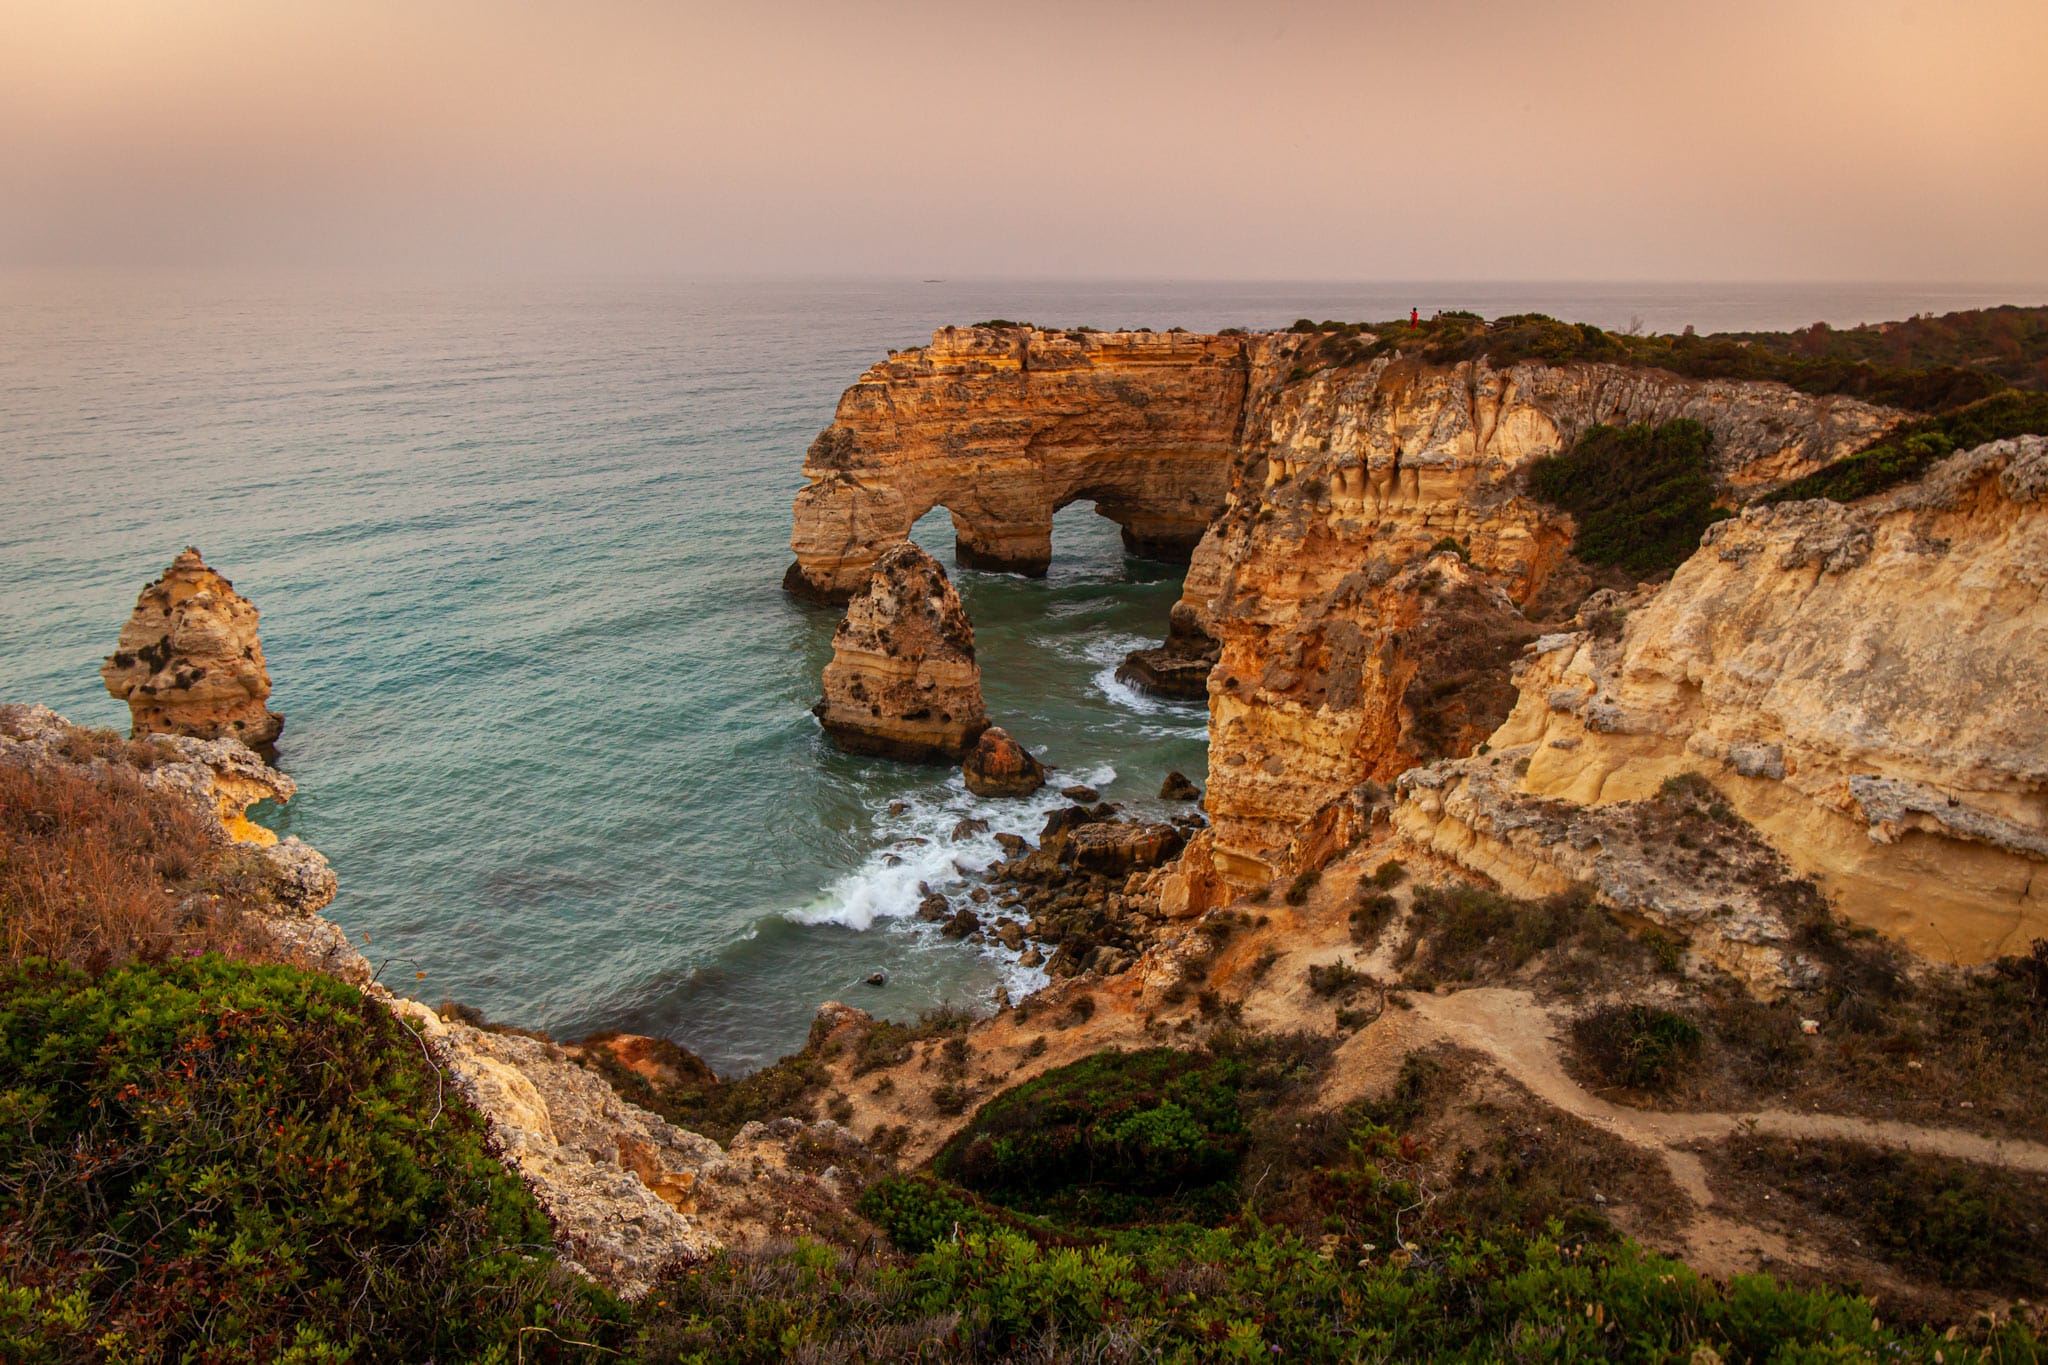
[903, 682]
[189, 663]
[998, 765]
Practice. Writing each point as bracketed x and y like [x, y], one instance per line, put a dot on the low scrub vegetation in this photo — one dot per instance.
[1962, 1226]
[211, 1160]
[96, 869]
[1642, 494]
[1912, 450]
[1106, 1138]
[1924, 365]
[1637, 1046]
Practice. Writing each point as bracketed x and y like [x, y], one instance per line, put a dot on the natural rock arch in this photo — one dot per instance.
[1005, 426]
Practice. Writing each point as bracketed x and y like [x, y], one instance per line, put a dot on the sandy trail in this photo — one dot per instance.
[1521, 1036]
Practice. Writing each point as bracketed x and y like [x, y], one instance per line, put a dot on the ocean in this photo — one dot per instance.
[518, 551]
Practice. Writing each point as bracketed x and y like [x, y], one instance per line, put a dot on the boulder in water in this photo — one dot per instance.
[998, 765]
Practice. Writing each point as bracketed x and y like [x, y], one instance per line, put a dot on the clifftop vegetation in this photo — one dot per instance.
[1924, 365]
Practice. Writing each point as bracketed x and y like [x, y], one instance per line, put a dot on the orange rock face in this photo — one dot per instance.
[903, 682]
[189, 662]
[1372, 582]
[998, 765]
[1005, 426]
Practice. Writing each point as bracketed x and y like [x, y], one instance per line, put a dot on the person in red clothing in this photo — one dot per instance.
[1414, 317]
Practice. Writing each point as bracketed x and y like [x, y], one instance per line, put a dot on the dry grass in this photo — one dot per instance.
[96, 870]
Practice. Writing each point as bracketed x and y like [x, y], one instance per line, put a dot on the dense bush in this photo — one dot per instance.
[1642, 494]
[216, 1161]
[1106, 1137]
[1912, 450]
[1638, 1046]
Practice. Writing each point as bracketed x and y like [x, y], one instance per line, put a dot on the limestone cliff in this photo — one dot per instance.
[1866, 684]
[189, 663]
[903, 682]
[1376, 572]
[1003, 426]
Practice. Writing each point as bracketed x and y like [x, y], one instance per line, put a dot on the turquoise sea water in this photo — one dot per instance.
[518, 552]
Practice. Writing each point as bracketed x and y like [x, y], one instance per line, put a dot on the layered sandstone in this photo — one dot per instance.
[903, 682]
[1374, 579]
[189, 662]
[1867, 685]
[1003, 427]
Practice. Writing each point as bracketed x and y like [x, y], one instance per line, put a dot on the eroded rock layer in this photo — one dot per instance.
[1377, 571]
[189, 663]
[903, 682]
[1003, 426]
[1867, 685]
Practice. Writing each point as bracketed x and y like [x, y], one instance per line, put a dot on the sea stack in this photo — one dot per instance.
[998, 765]
[903, 682]
[188, 662]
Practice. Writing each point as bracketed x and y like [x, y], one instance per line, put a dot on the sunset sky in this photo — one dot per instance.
[1468, 139]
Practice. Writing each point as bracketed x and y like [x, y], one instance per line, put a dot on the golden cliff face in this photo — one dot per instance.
[1004, 426]
[1345, 656]
[1866, 685]
[189, 663]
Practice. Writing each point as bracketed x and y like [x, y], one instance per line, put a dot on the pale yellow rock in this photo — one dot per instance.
[1867, 685]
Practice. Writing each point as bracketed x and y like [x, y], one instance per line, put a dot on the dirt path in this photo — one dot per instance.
[1520, 1035]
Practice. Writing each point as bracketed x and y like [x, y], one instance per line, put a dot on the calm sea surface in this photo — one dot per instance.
[518, 552]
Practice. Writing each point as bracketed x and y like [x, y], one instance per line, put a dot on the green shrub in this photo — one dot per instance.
[1638, 1046]
[918, 1212]
[213, 1160]
[1912, 450]
[1389, 873]
[1468, 928]
[1105, 1136]
[1369, 920]
[1642, 494]
[1298, 889]
[1337, 978]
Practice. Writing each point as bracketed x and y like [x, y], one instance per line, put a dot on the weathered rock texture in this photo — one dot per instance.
[903, 682]
[188, 662]
[627, 1191]
[1371, 582]
[998, 765]
[1867, 685]
[1005, 426]
[220, 779]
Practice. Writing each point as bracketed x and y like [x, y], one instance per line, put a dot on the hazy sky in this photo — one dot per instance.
[1432, 139]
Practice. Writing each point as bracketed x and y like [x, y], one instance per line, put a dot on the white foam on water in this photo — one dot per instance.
[881, 889]
[1194, 723]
